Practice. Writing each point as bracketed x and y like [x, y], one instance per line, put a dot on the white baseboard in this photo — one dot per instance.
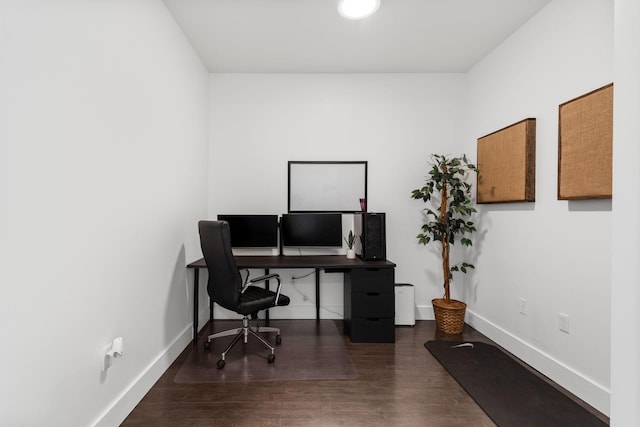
[587, 390]
[424, 312]
[287, 312]
[594, 394]
[122, 406]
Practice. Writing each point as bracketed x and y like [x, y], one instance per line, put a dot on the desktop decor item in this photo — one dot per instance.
[351, 241]
[332, 186]
[447, 195]
[507, 164]
[585, 146]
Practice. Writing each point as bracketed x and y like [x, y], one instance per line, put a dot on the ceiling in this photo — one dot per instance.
[309, 36]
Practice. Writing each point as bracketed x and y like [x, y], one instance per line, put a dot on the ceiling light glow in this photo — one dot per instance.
[357, 9]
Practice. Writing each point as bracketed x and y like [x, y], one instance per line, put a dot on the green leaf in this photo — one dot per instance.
[450, 174]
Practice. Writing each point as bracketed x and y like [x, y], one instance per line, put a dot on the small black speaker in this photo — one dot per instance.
[371, 229]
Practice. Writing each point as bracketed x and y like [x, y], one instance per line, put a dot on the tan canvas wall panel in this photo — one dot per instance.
[585, 146]
[506, 163]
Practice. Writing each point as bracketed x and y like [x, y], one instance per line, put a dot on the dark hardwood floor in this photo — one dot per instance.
[398, 384]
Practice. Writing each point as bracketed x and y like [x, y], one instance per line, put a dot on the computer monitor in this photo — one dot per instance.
[311, 230]
[252, 231]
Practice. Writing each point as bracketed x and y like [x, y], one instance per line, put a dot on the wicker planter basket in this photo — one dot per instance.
[449, 317]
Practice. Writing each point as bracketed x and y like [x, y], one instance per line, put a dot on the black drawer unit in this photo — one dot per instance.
[369, 304]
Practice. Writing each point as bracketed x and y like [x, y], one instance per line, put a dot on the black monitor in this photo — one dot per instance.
[252, 231]
[312, 229]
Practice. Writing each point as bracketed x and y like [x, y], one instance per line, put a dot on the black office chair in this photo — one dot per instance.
[226, 287]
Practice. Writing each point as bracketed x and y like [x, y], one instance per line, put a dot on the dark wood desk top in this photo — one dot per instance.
[326, 262]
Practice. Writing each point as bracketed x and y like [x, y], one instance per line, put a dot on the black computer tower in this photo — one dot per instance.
[370, 228]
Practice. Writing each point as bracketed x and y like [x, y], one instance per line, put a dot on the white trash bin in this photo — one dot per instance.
[405, 304]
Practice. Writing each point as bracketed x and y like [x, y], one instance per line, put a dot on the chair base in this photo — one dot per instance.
[244, 332]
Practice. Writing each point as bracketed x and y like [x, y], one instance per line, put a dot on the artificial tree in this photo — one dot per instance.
[448, 196]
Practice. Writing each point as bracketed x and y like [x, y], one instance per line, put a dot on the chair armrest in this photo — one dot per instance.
[264, 279]
[246, 278]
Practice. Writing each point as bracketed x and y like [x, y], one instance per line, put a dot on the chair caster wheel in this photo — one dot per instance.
[278, 339]
[271, 358]
[207, 345]
[220, 364]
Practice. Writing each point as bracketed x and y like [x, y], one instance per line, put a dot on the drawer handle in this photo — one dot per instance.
[373, 319]
[373, 294]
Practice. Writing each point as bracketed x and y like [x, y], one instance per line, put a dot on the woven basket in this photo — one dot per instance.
[449, 317]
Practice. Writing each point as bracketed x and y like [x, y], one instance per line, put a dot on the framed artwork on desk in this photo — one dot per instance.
[327, 186]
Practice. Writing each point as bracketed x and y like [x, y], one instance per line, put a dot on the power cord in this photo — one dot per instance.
[305, 297]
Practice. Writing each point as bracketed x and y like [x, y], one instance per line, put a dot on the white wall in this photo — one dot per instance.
[625, 293]
[259, 122]
[555, 254]
[103, 160]
[103, 146]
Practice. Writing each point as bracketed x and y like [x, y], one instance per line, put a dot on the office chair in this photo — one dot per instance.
[226, 287]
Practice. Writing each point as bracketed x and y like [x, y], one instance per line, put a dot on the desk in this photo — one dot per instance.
[328, 263]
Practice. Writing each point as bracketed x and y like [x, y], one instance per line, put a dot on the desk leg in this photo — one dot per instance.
[317, 294]
[196, 279]
[266, 286]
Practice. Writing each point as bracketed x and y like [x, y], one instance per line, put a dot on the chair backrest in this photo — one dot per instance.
[225, 281]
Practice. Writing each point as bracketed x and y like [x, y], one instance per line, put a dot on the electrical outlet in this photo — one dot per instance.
[523, 306]
[563, 322]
